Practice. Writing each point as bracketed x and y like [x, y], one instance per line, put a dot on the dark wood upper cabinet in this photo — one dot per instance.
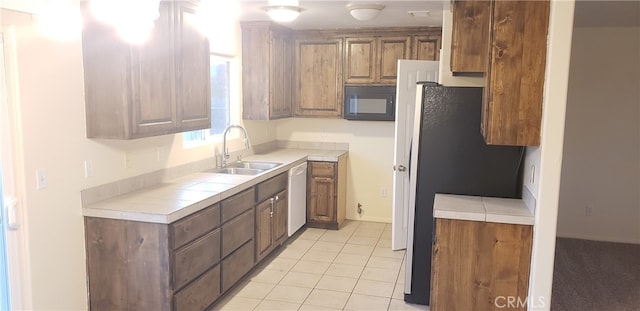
[318, 77]
[515, 68]
[470, 36]
[360, 60]
[155, 88]
[267, 71]
[426, 47]
[374, 60]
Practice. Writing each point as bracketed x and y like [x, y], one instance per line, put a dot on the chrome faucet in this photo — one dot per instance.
[225, 152]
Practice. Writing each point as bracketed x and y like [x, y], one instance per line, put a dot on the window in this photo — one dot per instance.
[221, 98]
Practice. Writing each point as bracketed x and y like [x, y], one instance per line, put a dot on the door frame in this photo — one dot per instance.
[13, 178]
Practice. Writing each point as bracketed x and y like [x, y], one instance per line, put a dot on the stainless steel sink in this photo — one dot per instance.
[245, 168]
[237, 171]
[254, 165]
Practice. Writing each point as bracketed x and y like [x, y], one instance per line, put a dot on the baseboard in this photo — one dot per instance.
[372, 219]
[597, 238]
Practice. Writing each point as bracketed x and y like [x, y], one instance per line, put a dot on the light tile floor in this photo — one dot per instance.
[350, 269]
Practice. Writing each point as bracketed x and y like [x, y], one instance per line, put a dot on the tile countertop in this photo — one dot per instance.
[466, 207]
[174, 199]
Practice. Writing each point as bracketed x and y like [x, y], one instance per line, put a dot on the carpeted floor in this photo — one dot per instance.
[591, 275]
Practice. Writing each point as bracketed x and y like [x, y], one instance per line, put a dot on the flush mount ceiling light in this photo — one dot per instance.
[364, 12]
[283, 10]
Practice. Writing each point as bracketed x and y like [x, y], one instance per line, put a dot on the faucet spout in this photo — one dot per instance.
[225, 152]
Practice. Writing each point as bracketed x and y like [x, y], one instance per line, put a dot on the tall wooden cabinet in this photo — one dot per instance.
[267, 71]
[478, 265]
[318, 77]
[512, 104]
[326, 189]
[158, 87]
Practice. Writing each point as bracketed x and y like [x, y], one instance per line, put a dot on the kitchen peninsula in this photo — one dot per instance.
[481, 252]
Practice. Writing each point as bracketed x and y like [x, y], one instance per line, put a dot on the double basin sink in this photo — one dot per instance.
[245, 168]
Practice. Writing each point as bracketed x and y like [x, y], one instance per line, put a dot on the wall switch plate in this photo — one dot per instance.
[42, 180]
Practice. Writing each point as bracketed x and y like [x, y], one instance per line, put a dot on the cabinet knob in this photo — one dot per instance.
[399, 168]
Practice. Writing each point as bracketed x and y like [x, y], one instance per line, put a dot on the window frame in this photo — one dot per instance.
[205, 137]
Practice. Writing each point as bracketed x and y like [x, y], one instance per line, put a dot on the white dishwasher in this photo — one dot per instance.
[297, 197]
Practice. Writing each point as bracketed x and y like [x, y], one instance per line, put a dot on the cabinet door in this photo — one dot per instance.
[512, 104]
[426, 47]
[264, 228]
[468, 253]
[319, 78]
[470, 35]
[153, 97]
[360, 60]
[280, 217]
[281, 76]
[193, 72]
[322, 203]
[390, 50]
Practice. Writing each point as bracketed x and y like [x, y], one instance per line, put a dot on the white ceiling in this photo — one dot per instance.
[332, 14]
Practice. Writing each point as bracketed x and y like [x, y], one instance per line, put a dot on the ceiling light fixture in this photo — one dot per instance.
[364, 12]
[283, 14]
[283, 10]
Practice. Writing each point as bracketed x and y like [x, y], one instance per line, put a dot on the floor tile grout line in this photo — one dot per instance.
[332, 262]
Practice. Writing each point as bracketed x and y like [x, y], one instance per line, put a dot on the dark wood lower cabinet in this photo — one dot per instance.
[480, 266]
[326, 202]
[128, 265]
[236, 265]
[271, 216]
[188, 264]
[199, 294]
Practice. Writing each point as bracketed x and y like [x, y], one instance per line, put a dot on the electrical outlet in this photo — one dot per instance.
[42, 180]
[383, 192]
[88, 168]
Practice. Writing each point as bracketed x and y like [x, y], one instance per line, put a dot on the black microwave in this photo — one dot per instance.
[372, 103]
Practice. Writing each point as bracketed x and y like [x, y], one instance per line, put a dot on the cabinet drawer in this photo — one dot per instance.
[237, 265]
[195, 225]
[201, 293]
[195, 258]
[237, 231]
[323, 169]
[271, 187]
[237, 204]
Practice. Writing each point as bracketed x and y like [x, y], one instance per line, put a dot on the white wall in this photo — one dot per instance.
[49, 96]
[369, 169]
[601, 164]
[548, 157]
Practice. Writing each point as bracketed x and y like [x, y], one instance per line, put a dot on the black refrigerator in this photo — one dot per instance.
[451, 157]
